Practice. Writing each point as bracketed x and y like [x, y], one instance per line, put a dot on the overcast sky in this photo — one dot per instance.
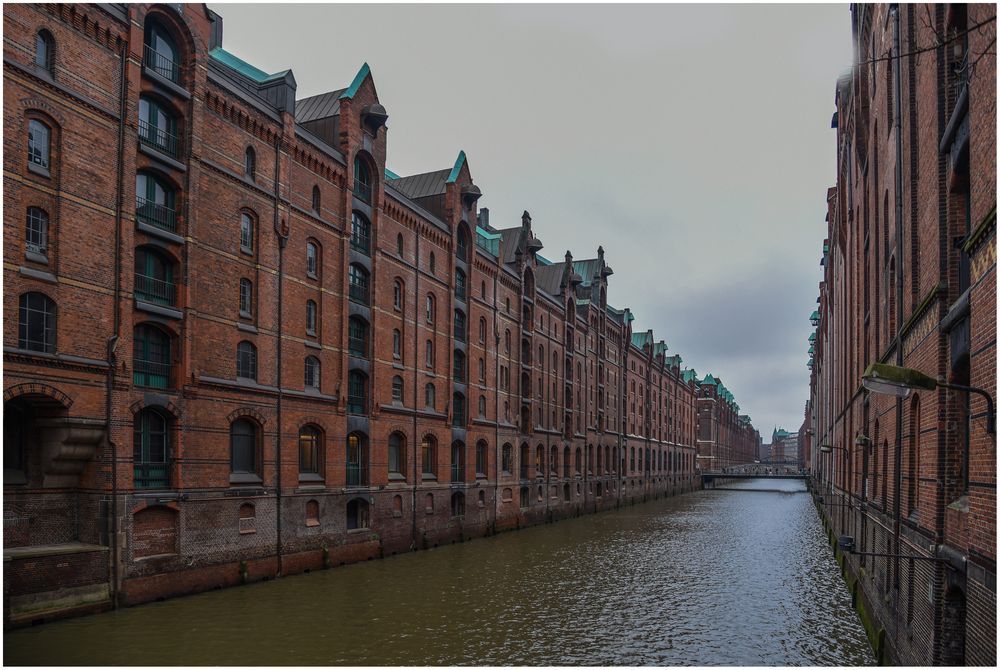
[692, 141]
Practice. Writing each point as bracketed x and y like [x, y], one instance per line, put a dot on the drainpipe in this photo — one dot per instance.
[281, 229]
[897, 122]
[116, 337]
[416, 387]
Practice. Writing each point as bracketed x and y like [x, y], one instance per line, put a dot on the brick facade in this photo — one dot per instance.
[910, 280]
[245, 348]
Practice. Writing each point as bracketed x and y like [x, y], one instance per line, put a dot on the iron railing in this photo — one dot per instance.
[358, 293]
[151, 374]
[362, 190]
[155, 214]
[155, 290]
[357, 474]
[159, 139]
[152, 475]
[160, 64]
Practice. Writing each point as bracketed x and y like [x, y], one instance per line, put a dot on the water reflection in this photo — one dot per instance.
[716, 577]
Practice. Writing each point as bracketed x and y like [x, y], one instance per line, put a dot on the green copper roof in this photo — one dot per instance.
[687, 374]
[812, 337]
[709, 380]
[390, 175]
[352, 90]
[459, 162]
[814, 316]
[542, 260]
[243, 67]
[660, 348]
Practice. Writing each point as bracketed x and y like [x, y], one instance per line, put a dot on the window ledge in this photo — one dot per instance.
[427, 477]
[156, 154]
[313, 345]
[39, 170]
[310, 477]
[397, 477]
[246, 327]
[244, 478]
[165, 83]
[312, 523]
[152, 308]
[37, 274]
[36, 257]
[158, 232]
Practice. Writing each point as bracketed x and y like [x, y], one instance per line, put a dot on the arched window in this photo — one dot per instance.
[160, 53]
[458, 366]
[250, 163]
[432, 264]
[506, 341]
[36, 232]
[150, 357]
[357, 459]
[357, 392]
[362, 179]
[429, 396]
[357, 514]
[457, 461]
[429, 354]
[246, 298]
[151, 450]
[36, 323]
[39, 144]
[155, 202]
[310, 450]
[45, 51]
[158, 127]
[361, 232]
[482, 330]
[312, 373]
[457, 503]
[430, 308]
[566, 461]
[482, 406]
[310, 317]
[913, 458]
[506, 454]
[482, 369]
[358, 289]
[397, 344]
[246, 360]
[399, 244]
[460, 330]
[460, 289]
[397, 454]
[154, 277]
[539, 461]
[312, 259]
[462, 248]
[428, 455]
[397, 295]
[357, 337]
[316, 203]
[243, 446]
[458, 409]
[397, 389]
[246, 233]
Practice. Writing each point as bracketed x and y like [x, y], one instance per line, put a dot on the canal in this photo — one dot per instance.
[741, 576]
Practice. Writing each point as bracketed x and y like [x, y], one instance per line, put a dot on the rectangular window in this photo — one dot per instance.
[38, 144]
[246, 234]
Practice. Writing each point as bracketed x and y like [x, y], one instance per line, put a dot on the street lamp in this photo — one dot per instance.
[826, 448]
[895, 381]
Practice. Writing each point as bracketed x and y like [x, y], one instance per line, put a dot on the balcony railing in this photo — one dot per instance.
[152, 475]
[358, 293]
[361, 242]
[160, 64]
[362, 190]
[356, 404]
[151, 374]
[159, 139]
[357, 474]
[155, 290]
[357, 346]
[155, 214]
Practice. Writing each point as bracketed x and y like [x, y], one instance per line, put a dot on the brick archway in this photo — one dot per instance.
[36, 389]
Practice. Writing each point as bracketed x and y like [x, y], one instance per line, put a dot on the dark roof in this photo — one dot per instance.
[422, 185]
[549, 277]
[509, 239]
[320, 106]
[587, 269]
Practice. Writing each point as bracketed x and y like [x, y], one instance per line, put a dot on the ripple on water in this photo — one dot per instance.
[711, 578]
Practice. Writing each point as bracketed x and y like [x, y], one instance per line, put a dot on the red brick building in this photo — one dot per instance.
[910, 280]
[238, 346]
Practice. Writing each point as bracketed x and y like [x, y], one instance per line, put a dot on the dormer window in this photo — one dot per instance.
[160, 53]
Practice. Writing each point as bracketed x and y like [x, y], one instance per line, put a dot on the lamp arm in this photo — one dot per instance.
[991, 417]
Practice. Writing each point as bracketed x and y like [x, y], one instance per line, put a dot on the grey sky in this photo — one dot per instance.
[692, 141]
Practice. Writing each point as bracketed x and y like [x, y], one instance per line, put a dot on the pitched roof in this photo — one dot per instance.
[243, 67]
[549, 277]
[320, 106]
[422, 185]
[587, 269]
